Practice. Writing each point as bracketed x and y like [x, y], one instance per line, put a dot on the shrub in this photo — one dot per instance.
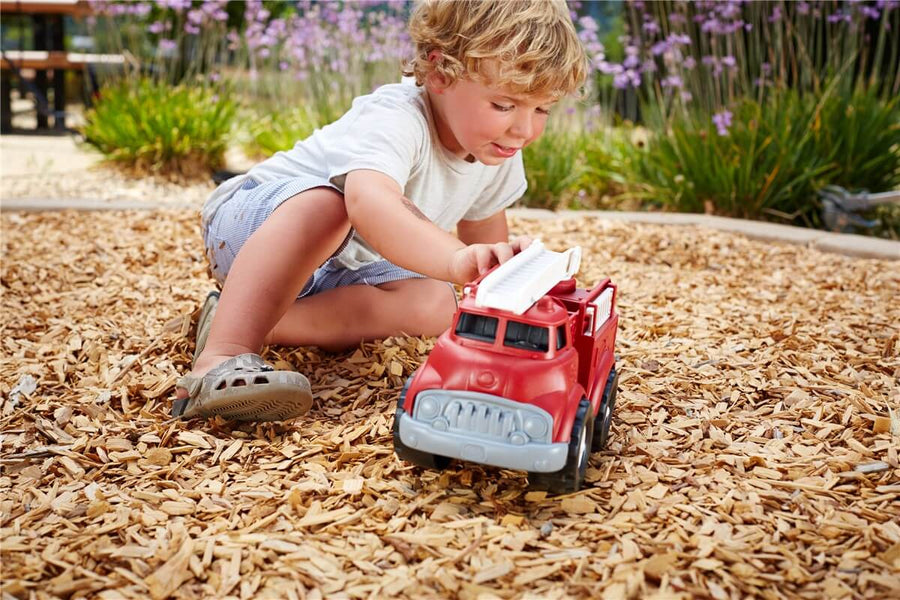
[861, 133]
[277, 131]
[150, 126]
[774, 156]
[553, 165]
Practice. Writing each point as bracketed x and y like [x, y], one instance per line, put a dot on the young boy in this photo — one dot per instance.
[345, 237]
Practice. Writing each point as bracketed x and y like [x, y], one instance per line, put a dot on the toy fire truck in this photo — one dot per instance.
[524, 379]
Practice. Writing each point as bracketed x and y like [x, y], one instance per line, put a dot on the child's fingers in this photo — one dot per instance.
[520, 243]
[503, 252]
[484, 258]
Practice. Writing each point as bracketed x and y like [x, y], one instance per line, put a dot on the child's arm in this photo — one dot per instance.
[486, 231]
[397, 230]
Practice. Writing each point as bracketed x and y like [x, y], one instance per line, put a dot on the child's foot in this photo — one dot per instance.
[243, 388]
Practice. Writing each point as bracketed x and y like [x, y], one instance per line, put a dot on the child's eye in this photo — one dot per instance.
[544, 111]
[501, 107]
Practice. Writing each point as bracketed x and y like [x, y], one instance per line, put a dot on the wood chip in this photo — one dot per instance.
[753, 448]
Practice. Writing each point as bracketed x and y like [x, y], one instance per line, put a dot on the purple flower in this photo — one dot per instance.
[660, 47]
[651, 27]
[176, 5]
[167, 45]
[156, 27]
[869, 12]
[628, 77]
[838, 17]
[802, 8]
[776, 15]
[722, 121]
[673, 81]
[588, 23]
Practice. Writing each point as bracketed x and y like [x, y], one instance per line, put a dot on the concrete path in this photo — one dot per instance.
[37, 154]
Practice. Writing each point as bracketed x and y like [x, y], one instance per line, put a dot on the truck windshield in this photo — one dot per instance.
[477, 327]
[526, 337]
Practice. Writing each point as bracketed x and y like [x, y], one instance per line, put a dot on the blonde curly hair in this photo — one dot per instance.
[529, 46]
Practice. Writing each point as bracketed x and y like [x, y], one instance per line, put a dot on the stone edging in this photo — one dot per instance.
[840, 243]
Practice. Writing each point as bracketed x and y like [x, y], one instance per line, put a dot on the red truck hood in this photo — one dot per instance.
[473, 367]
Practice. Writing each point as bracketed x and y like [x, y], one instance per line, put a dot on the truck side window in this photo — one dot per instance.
[527, 337]
[477, 327]
[560, 337]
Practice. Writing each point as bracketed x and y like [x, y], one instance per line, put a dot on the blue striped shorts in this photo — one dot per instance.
[242, 214]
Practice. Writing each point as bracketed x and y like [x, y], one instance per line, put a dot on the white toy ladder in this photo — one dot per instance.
[524, 279]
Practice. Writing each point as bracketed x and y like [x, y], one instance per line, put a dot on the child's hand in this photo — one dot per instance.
[475, 260]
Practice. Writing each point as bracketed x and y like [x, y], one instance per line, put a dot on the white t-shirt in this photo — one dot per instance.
[392, 131]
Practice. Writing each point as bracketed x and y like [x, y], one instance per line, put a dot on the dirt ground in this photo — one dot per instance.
[754, 451]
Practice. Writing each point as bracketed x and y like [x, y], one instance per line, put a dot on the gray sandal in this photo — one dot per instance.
[244, 388]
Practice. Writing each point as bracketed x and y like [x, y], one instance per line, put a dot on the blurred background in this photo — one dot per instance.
[781, 111]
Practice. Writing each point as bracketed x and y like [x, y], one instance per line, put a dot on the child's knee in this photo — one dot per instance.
[436, 307]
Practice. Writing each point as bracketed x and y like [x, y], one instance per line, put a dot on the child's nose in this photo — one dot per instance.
[522, 127]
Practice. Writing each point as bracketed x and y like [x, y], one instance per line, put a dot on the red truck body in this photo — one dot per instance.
[517, 391]
[555, 379]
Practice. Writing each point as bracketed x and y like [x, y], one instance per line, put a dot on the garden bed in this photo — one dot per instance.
[752, 452]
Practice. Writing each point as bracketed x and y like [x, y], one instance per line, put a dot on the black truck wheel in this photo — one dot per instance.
[604, 415]
[411, 455]
[571, 477]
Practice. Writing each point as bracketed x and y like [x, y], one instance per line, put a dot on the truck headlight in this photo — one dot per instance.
[535, 428]
[427, 408]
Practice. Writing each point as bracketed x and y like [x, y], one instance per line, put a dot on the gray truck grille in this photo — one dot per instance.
[483, 415]
[482, 418]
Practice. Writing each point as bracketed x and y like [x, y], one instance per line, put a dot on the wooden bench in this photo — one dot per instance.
[50, 55]
[56, 59]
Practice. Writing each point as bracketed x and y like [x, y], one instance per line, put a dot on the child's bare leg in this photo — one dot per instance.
[339, 318]
[270, 270]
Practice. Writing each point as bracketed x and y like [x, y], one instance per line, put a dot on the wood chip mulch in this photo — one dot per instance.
[754, 451]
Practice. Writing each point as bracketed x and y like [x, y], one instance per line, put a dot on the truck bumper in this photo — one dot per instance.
[530, 456]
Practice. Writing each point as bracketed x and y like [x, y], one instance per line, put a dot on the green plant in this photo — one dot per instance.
[775, 156]
[279, 131]
[603, 181]
[150, 126]
[553, 165]
[765, 165]
[861, 133]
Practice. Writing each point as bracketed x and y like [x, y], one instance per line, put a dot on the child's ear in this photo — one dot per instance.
[436, 80]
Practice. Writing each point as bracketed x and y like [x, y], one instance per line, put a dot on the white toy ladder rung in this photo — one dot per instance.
[525, 278]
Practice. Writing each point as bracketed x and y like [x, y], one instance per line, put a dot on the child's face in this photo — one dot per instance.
[487, 122]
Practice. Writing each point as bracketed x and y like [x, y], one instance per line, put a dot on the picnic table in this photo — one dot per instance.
[47, 24]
